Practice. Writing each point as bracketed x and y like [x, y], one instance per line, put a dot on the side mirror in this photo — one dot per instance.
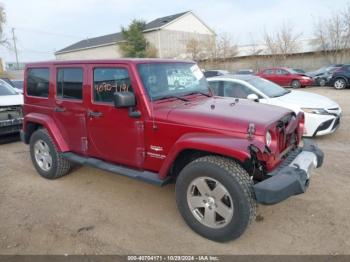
[124, 99]
[253, 97]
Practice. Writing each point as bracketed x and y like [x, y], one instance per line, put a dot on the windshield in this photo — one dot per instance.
[268, 88]
[164, 80]
[6, 89]
[18, 84]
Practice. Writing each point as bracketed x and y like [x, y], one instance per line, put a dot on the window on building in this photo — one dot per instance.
[38, 80]
[70, 83]
[107, 81]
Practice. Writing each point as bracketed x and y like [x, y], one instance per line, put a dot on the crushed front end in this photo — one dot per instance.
[283, 168]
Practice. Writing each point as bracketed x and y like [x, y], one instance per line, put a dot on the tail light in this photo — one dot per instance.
[302, 129]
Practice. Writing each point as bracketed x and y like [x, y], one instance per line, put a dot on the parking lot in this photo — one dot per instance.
[96, 212]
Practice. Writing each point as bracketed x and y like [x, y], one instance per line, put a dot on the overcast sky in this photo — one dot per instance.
[44, 26]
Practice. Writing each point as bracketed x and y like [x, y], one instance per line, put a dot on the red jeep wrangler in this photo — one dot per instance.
[156, 121]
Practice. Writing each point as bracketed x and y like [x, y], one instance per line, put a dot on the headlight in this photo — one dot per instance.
[318, 111]
[305, 77]
[268, 138]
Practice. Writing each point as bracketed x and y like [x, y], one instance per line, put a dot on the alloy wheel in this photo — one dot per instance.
[42, 155]
[339, 84]
[210, 202]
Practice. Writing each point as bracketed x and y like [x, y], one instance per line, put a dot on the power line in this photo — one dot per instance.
[14, 45]
[48, 33]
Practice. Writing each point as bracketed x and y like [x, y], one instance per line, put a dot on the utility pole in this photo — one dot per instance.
[15, 47]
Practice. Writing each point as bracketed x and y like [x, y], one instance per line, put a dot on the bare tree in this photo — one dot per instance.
[211, 49]
[3, 40]
[281, 43]
[332, 35]
[225, 47]
[195, 48]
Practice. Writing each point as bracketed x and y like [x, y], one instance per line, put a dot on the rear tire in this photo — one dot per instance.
[215, 197]
[47, 160]
[340, 83]
[296, 84]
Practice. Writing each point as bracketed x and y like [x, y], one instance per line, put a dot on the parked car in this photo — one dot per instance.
[323, 75]
[10, 109]
[211, 73]
[340, 78]
[123, 116]
[286, 77]
[16, 86]
[245, 72]
[322, 115]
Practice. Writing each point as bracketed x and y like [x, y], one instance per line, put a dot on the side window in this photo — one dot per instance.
[268, 72]
[107, 81]
[281, 72]
[232, 89]
[38, 80]
[70, 83]
[214, 87]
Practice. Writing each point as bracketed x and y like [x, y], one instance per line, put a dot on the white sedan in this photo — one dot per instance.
[322, 115]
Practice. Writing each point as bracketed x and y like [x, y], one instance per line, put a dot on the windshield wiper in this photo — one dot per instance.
[172, 96]
[198, 92]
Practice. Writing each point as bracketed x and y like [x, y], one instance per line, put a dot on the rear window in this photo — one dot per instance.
[38, 82]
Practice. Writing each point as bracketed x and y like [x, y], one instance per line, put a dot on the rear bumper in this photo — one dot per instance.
[292, 177]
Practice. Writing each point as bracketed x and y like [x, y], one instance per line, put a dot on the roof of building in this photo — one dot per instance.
[93, 42]
[160, 22]
[117, 37]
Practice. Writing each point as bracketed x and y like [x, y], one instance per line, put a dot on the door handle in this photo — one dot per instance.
[59, 109]
[94, 114]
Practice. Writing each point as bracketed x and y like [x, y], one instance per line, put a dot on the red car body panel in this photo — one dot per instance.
[284, 79]
[165, 129]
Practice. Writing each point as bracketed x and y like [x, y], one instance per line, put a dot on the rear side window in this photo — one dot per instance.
[70, 83]
[268, 72]
[38, 82]
[281, 72]
[107, 81]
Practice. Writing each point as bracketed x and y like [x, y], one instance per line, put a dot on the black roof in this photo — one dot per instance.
[117, 37]
[159, 22]
[96, 41]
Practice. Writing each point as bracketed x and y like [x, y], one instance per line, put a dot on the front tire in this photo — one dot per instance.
[215, 197]
[47, 160]
[339, 84]
[296, 84]
[322, 82]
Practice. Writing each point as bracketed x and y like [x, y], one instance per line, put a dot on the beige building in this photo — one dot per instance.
[169, 35]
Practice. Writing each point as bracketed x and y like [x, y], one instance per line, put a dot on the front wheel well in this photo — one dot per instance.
[189, 155]
[31, 127]
[341, 77]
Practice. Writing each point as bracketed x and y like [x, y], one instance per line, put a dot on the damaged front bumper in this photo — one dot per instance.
[10, 126]
[292, 177]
